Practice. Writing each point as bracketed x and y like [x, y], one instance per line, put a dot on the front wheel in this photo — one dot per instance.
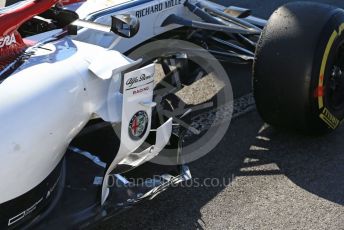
[191, 87]
[298, 77]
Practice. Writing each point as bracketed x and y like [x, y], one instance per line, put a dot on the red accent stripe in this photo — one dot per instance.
[68, 2]
[319, 92]
[13, 19]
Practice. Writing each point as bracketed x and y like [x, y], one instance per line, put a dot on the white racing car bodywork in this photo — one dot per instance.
[66, 81]
[71, 90]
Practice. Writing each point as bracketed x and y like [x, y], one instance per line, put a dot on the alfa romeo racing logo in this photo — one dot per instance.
[132, 81]
[138, 125]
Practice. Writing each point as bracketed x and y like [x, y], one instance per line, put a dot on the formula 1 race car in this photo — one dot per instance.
[80, 95]
[79, 106]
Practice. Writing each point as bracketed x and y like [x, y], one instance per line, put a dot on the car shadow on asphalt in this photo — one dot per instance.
[315, 164]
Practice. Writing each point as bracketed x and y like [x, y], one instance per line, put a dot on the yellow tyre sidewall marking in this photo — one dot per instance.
[329, 119]
[323, 66]
[326, 115]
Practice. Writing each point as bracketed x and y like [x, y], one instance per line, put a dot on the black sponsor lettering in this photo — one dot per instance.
[132, 81]
[157, 8]
[149, 10]
[172, 3]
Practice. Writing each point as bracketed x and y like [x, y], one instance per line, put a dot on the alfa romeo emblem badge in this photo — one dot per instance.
[138, 125]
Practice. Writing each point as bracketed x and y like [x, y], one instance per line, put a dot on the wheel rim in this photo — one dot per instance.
[179, 73]
[195, 92]
[335, 86]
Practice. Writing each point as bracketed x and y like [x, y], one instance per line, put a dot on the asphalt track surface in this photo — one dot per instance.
[279, 180]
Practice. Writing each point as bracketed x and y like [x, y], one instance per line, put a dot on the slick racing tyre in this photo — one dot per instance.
[298, 73]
